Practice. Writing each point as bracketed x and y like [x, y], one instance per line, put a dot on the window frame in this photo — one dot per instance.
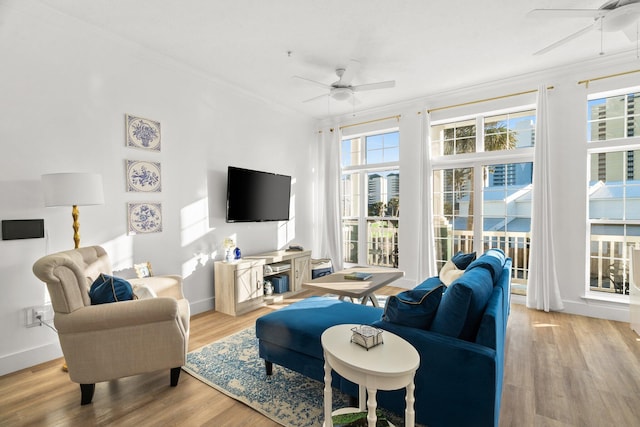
[363, 169]
[605, 146]
[480, 158]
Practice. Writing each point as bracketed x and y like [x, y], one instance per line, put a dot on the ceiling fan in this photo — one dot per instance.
[342, 89]
[614, 15]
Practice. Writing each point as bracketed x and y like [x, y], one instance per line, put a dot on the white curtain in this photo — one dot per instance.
[543, 290]
[426, 253]
[329, 219]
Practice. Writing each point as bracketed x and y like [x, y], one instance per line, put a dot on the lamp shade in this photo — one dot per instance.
[69, 189]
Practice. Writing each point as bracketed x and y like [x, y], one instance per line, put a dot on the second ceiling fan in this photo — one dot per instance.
[614, 15]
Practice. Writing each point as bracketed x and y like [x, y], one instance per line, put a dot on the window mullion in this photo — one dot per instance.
[362, 220]
[477, 207]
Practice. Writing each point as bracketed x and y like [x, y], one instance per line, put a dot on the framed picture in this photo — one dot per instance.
[142, 133]
[144, 218]
[143, 176]
[143, 269]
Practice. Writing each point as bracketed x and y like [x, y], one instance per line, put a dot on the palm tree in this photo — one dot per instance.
[393, 206]
[496, 137]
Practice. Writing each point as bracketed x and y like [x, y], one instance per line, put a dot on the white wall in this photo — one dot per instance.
[65, 90]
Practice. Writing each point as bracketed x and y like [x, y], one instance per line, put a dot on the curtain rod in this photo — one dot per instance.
[485, 100]
[624, 73]
[397, 117]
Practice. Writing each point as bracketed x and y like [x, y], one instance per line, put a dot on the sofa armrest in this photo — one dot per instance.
[117, 315]
[451, 370]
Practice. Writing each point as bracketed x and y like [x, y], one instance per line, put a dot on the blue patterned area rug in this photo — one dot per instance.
[233, 367]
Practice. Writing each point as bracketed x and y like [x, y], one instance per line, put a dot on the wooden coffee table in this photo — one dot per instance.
[335, 283]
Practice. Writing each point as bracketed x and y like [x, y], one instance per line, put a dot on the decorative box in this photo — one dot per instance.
[321, 267]
[280, 283]
[366, 336]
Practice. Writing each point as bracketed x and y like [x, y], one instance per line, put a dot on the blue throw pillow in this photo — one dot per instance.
[414, 308]
[462, 260]
[430, 283]
[463, 304]
[106, 289]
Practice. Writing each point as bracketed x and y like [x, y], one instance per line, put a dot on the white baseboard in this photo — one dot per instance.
[600, 310]
[203, 305]
[31, 357]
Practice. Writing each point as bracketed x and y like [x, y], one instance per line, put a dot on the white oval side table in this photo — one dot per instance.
[388, 366]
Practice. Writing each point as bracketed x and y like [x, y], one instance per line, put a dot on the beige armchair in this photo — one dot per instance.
[109, 341]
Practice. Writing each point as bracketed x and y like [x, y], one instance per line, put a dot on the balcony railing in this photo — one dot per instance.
[382, 242]
[609, 262]
[514, 244]
[609, 259]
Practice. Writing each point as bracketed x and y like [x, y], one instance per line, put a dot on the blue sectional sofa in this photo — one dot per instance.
[459, 334]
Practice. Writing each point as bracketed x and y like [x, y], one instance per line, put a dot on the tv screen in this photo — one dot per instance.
[254, 196]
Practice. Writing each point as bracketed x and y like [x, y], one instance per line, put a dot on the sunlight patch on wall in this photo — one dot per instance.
[287, 229]
[120, 251]
[194, 221]
[198, 260]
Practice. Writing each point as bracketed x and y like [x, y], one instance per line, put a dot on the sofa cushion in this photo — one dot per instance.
[493, 260]
[415, 308]
[462, 260]
[462, 304]
[449, 272]
[299, 326]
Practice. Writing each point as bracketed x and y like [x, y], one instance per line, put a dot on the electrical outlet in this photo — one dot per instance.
[32, 314]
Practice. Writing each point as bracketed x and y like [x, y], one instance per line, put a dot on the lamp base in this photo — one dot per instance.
[75, 213]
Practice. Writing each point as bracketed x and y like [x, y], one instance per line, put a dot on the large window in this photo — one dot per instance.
[371, 198]
[613, 135]
[483, 200]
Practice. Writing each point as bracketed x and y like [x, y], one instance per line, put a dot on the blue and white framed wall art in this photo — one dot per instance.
[143, 176]
[142, 133]
[144, 217]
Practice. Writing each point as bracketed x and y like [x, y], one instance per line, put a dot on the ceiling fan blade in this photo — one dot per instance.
[350, 72]
[322, 85]
[316, 97]
[373, 86]
[568, 13]
[565, 40]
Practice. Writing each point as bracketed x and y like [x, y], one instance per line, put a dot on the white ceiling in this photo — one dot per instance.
[425, 46]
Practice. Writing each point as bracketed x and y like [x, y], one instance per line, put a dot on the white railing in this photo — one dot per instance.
[609, 262]
[609, 259]
[514, 244]
[382, 243]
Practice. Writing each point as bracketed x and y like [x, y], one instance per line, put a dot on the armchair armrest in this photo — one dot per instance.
[117, 315]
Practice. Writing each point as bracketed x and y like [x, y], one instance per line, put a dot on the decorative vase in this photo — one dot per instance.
[268, 288]
[230, 255]
[237, 253]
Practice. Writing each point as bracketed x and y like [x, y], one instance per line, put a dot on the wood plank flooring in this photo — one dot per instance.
[560, 370]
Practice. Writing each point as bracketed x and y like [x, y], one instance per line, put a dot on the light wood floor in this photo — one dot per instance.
[560, 370]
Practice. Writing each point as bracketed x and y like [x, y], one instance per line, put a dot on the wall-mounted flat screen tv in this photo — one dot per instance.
[255, 196]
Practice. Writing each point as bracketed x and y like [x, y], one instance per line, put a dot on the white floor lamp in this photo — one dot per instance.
[73, 189]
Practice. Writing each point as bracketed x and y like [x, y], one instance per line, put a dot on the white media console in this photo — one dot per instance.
[239, 284]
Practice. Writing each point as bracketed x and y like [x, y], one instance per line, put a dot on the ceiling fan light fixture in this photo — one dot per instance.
[341, 94]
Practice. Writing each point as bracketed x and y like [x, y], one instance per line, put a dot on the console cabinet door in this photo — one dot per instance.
[301, 271]
[249, 283]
